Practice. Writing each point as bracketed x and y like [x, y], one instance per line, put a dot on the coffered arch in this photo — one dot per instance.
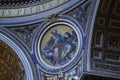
[13, 61]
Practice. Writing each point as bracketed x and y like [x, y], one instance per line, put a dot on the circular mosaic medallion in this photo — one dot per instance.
[59, 45]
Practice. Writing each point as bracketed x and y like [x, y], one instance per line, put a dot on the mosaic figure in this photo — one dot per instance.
[60, 47]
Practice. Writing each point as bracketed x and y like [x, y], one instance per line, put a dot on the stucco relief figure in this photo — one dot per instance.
[60, 48]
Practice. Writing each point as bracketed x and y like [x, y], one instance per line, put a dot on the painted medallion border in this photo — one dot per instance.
[65, 28]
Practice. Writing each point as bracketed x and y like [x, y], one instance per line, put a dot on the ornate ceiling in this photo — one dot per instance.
[11, 68]
[32, 20]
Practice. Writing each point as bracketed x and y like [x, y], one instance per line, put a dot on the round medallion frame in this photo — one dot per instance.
[62, 26]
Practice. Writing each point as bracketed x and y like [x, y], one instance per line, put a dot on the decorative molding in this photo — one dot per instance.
[30, 15]
[23, 11]
[112, 57]
[53, 17]
[97, 55]
[101, 21]
[88, 33]
[98, 40]
[106, 67]
[105, 6]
